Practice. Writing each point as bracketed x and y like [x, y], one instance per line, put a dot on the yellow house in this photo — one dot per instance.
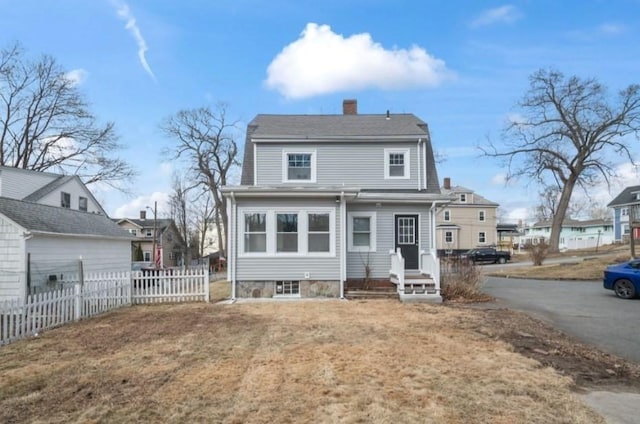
[468, 221]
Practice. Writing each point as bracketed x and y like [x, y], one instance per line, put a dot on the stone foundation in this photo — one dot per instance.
[308, 289]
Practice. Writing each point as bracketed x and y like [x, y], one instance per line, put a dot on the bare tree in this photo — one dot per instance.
[206, 140]
[548, 207]
[205, 216]
[45, 123]
[567, 134]
[178, 203]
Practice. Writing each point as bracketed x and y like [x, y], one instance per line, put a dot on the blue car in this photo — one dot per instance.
[623, 279]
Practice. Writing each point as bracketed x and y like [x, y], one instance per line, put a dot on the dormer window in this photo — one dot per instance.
[463, 197]
[396, 163]
[299, 166]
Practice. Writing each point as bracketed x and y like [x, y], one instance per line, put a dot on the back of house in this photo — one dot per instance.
[330, 200]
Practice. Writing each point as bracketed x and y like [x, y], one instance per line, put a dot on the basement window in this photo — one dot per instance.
[287, 288]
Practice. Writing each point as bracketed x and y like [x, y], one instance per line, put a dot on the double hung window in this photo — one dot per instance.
[362, 232]
[396, 163]
[299, 167]
[287, 234]
[319, 233]
[255, 232]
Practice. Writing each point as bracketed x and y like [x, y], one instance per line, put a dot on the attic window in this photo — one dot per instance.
[82, 204]
[463, 197]
[65, 200]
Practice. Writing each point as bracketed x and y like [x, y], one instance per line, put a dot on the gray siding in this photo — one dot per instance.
[288, 268]
[380, 261]
[12, 264]
[352, 164]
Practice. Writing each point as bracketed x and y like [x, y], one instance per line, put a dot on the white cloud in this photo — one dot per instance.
[76, 76]
[499, 179]
[321, 62]
[132, 209]
[500, 15]
[125, 14]
[611, 29]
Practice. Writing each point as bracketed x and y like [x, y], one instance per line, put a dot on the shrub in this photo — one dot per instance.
[538, 252]
[464, 284]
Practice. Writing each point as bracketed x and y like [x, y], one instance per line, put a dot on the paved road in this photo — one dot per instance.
[582, 309]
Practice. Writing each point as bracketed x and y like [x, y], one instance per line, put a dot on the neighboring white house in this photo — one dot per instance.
[40, 244]
[66, 191]
[574, 234]
[331, 200]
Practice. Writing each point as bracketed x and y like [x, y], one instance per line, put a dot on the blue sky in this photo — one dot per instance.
[460, 65]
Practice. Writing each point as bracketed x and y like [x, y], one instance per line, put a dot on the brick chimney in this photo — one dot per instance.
[447, 183]
[350, 107]
[143, 215]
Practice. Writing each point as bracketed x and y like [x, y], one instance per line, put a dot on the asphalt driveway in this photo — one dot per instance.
[582, 309]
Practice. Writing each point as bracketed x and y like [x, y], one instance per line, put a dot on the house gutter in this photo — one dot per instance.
[343, 241]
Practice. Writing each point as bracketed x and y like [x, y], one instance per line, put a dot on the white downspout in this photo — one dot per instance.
[231, 246]
[343, 243]
[419, 151]
[424, 156]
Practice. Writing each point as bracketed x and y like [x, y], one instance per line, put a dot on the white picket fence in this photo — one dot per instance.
[98, 293]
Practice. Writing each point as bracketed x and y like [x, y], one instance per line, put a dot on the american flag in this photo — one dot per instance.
[158, 256]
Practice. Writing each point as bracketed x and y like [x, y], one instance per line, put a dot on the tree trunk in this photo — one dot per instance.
[558, 217]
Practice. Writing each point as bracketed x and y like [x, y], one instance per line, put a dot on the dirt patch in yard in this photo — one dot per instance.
[320, 361]
[587, 366]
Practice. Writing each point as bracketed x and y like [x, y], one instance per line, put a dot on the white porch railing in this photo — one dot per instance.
[431, 266]
[397, 269]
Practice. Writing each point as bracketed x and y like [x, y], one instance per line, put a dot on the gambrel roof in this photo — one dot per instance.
[40, 218]
[338, 128]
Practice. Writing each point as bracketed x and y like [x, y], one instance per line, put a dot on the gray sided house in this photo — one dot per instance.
[40, 244]
[331, 200]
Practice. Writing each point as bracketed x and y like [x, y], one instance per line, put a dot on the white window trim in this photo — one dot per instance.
[444, 215]
[372, 239]
[407, 162]
[444, 237]
[241, 231]
[272, 234]
[485, 237]
[483, 214]
[285, 165]
[460, 197]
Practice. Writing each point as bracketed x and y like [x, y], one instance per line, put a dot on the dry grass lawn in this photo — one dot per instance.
[319, 361]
